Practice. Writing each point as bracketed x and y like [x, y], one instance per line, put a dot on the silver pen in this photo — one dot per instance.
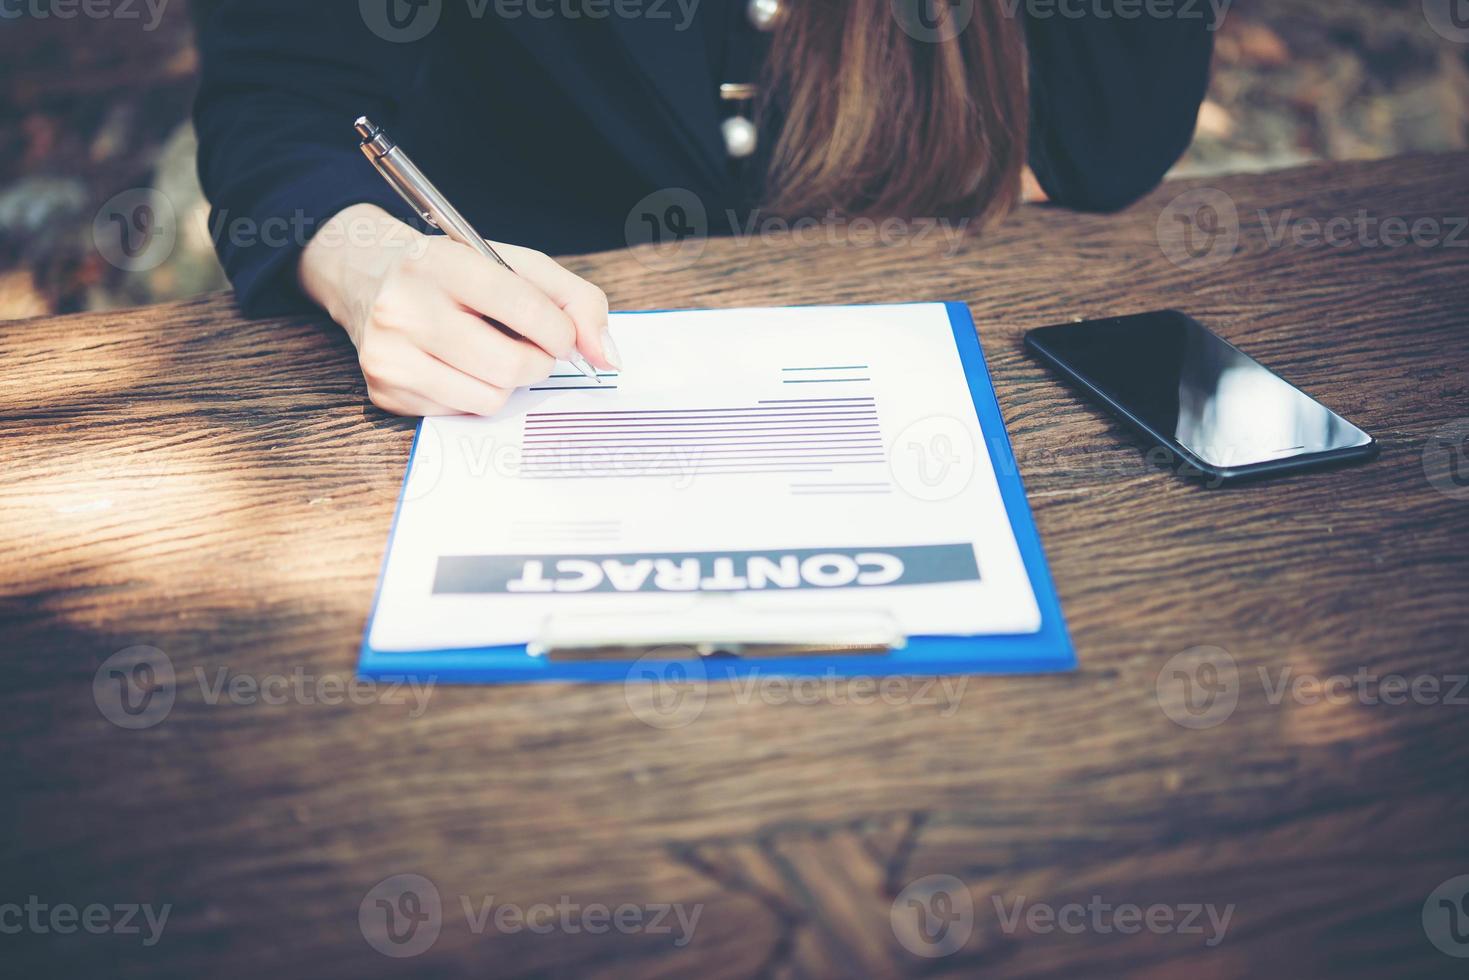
[433, 207]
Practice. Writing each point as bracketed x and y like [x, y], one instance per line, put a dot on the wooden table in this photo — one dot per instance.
[218, 489]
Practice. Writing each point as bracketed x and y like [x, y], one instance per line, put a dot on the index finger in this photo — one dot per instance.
[483, 286]
[582, 301]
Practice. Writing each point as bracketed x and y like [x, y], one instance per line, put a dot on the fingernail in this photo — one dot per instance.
[609, 349]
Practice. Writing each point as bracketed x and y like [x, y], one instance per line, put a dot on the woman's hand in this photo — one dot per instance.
[414, 306]
[1030, 188]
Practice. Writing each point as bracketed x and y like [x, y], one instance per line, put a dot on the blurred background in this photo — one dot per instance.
[96, 106]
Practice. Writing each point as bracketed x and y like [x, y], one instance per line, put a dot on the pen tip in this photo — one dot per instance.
[580, 363]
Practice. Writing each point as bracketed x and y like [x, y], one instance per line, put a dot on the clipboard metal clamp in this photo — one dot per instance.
[717, 626]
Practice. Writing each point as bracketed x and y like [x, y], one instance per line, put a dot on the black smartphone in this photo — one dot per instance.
[1221, 412]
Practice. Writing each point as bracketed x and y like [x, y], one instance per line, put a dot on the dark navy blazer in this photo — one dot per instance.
[548, 130]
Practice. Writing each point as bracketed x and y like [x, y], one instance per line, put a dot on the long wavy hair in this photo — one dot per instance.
[895, 108]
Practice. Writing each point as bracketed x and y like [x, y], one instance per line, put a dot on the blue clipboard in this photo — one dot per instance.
[1047, 650]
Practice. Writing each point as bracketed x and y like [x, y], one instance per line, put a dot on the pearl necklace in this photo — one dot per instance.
[740, 134]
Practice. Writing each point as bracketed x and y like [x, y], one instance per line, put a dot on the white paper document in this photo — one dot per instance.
[813, 458]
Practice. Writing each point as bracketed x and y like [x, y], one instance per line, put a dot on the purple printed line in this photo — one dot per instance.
[651, 471]
[659, 411]
[726, 422]
[711, 457]
[559, 424]
[848, 430]
[583, 461]
[774, 412]
[702, 432]
[696, 464]
[626, 476]
[711, 468]
[703, 426]
[555, 461]
[581, 452]
[694, 446]
[833, 413]
[738, 444]
[711, 437]
[882, 483]
[799, 401]
[795, 413]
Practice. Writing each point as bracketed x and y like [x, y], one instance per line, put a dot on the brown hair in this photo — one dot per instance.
[879, 121]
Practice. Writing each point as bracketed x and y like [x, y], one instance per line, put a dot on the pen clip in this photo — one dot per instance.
[393, 182]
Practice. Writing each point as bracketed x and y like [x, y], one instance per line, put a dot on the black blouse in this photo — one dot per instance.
[548, 128]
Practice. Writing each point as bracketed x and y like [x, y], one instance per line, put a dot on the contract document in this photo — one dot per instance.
[820, 459]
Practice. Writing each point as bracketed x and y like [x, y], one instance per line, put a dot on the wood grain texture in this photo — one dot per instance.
[217, 488]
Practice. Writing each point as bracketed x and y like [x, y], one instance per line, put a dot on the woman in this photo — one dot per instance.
[547, 122]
